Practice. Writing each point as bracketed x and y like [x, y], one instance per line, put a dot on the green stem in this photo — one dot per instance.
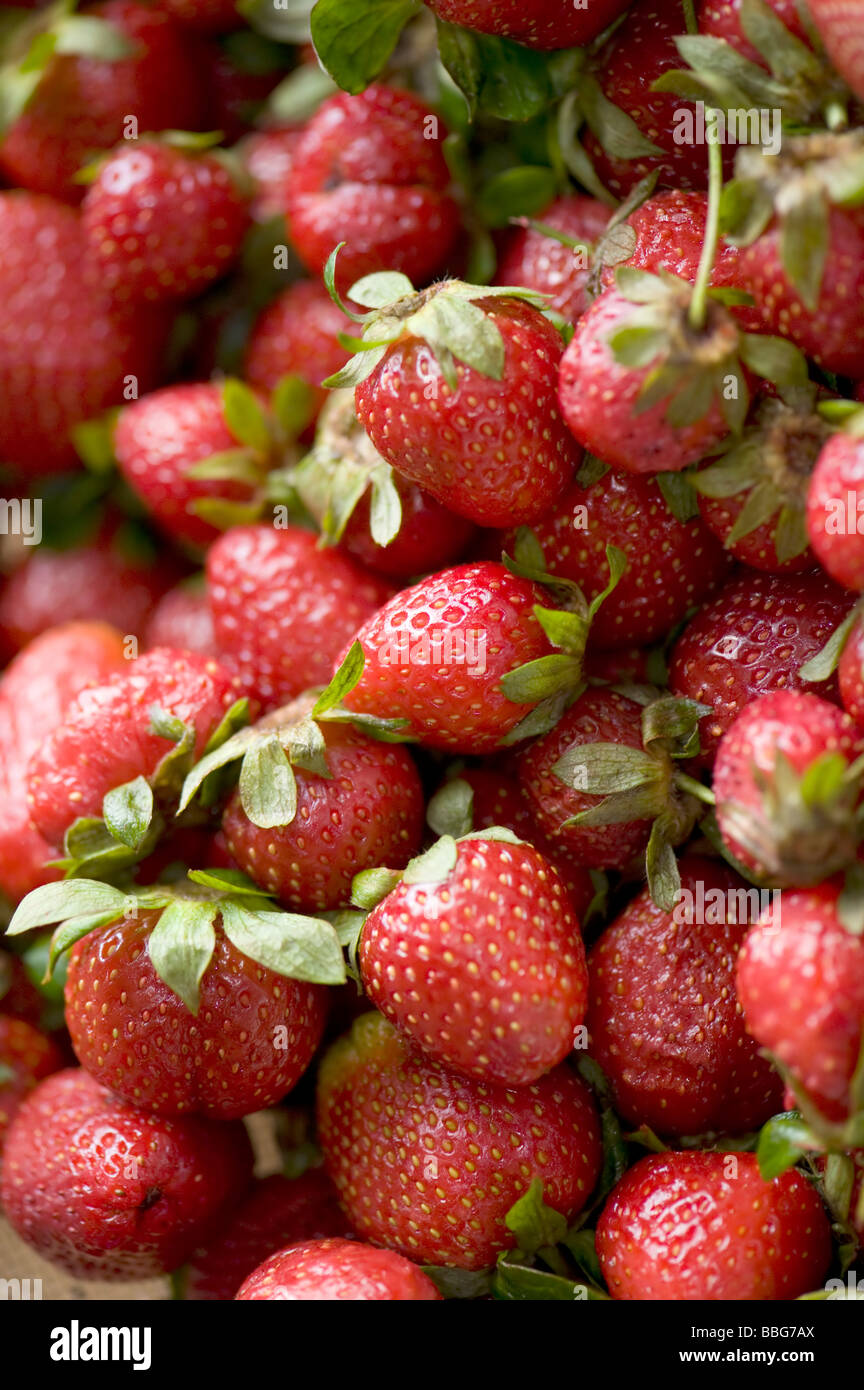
[555, 1260]
[698, 304]
[689, 784]
[690, 17]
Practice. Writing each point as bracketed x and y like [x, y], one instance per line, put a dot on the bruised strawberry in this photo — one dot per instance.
[26, 1058]
[330, 1270]
[131, 1208]
[553, 254]
[441, 1195]
[543, 24]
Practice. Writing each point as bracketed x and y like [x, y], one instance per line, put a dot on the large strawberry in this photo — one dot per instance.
[664, 1021]
[707, 1226]
[26, 1058]
[466, 1149]
[543, 24]
[328, 1271]
[553, 255]
[369, 171]
[432, 959]
[105, 1191]
[839, 25]
[283, 609]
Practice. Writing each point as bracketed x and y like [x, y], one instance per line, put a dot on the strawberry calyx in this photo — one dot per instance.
[586, 106]
[183, 939]
[433, 865]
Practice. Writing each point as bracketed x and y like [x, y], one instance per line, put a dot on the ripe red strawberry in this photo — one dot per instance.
[276, 1212]
[671, 564]
[801, 985]
[181, 619]
[429, 536]
[785, 828]
[707, 1226]
[84, 104]
[359, 804]
[834, 510]
[283, 609]
[543, 24]
[268, 157]
[58, 365]
[753, 637]
[26, 1058]
[297, 335]
[105, 1191]
[163, 222]
[466, 1149]
[664, 1022]
[462, 399]
[205, 16]
[330, 1270]
[850, 674]
[556, 268]
[501, 1007]
[839, 25]
[107, 735]
[370, 171]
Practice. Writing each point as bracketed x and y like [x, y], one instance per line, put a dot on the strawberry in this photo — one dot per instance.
[181, 619]
[297, 335]
[268, 157]
[839, 26]
[369, 171]
[429, 1163]
[801, 986]
[753, 637]
[163, 220]
[543, 24]
[205, 16]
[534, 256]
[707, 1226]
[330, 1270]
[105, 1191]
[276, 1212]
[134, 66]
[502, 1010]
[59, 366]
[726, 19]
[141, 724]
[283, 609]
[459, 395]
[664, 1021]
[189, 1001]
[834, 508]
[26, 1058]
[850, 673]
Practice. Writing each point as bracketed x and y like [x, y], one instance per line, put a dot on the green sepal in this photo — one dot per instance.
[128, 812]
[823, 665]
[451, 809]
[181, 946]
[370, 886]
[343, 682]
[783, 1141]
[302, 948]
[435, 864]
[76, 897]
[533, 1223]
[354, 38]
[267, 785]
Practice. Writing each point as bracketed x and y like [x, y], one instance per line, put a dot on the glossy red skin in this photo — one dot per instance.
[30, 1056]
[801, 985]
[722, 20]
[132, 1033]
[801, 727]
[429, 538]
[452, 703]
[163, 224]
[664, 1021]
[839, 25]
[158, 437]
[598, 398]
[671, 565]
[472, 1148]
[297, 335]
[544, 24]
[59, 366]
[833, 334]
[366, 173]
[106, 1191]
[598, 716]
[753, 637]
[333, 1270]
[283, 609]
[276, 1212]
[758, 548]
[539, 262]
[205, 16]
[836, 481]
[82, 104]
[105, 739]
[637, 54]
[706, 1226]
[496, 452]
[369, 813]
[850, 674]
[268, 155]
[35, 691]
[182, 619]
[496, 951]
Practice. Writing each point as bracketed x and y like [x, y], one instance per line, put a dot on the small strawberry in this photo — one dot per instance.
[839, 26]
[502, 1008]
[181, 619]
[276, 1212]
[105, 1191]
[707, 1226]
[297, 335]
[283, 609]
[370, 171]
[163, 219]
[664, 1021]
[754, 637]
[553, 255]
[835, 506]
[26, 1058]
[330, 1270]
[543, 24]
[429, 1163]
[801, 986]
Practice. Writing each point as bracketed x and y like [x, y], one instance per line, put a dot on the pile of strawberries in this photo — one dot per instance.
[433, 711]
